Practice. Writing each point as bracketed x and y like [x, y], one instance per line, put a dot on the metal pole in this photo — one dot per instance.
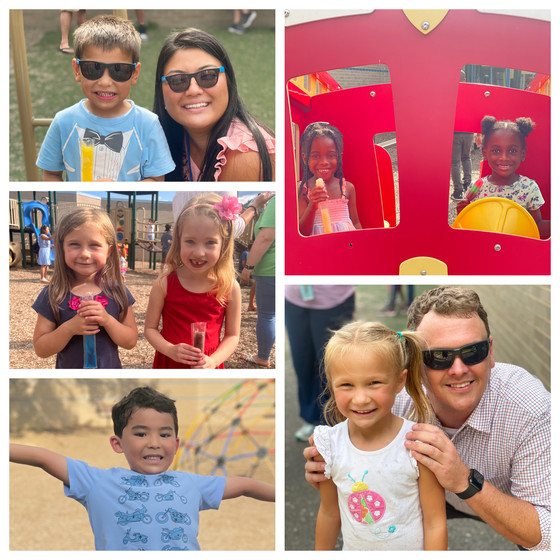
[19, 54]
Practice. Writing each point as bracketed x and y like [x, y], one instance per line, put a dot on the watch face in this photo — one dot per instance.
[477, 479]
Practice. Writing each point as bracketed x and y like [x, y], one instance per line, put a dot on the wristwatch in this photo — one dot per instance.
[476, 480]
[249, 267]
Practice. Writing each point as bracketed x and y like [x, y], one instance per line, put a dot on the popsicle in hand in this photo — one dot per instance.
[325, 216]
[87, 146]
[90, 350]
[473, 190]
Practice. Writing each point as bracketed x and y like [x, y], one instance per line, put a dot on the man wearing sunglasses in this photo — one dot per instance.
[489, 446]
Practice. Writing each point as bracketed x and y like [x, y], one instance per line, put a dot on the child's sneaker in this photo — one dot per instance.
[236, 28]
[248, 18]
[305, 432]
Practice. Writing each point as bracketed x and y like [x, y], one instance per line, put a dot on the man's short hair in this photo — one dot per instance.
[108, 32]
[449, 301]
[142, 397]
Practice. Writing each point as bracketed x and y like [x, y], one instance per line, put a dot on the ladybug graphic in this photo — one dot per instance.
[365, 505]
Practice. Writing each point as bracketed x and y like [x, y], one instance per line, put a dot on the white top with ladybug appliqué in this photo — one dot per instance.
[377, 490]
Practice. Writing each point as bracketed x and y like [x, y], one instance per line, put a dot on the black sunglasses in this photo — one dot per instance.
[119, 71]
[470, 354]
[206, 78]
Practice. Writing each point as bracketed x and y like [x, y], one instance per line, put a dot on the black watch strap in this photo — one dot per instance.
[476, 480]
[248, 267]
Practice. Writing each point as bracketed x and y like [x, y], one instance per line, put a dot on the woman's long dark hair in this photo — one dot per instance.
[175, 133]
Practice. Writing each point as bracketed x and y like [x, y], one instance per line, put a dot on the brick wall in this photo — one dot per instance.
[519, 319]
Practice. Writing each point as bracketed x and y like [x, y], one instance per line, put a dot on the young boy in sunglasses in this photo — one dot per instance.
[127, 141]
[490, 444]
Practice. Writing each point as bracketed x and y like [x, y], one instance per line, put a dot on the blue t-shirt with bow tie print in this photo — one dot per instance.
[131, 147]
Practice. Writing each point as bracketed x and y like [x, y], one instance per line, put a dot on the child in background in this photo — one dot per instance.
[377, 492]
[151, 228]
[124, 265]
[504, 146]
[87, 266]
[44, 258]
[129, 509]
[166, 239]
[129, 143]
[197, 285]
[323, 184]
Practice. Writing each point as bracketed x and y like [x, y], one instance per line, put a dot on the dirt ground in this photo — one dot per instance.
[42, 518]
[25, 287]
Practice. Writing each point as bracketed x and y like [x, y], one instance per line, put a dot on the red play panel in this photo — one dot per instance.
[423, 105]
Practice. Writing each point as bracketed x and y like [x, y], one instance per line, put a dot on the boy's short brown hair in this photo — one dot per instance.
[142, 397]
[108, 32]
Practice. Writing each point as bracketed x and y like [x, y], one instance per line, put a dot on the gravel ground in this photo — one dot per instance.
[25, 287]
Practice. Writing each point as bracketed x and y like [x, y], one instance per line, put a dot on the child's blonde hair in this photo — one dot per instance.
[399, 350]
[108, 32]
[223, 271]
[109, 278]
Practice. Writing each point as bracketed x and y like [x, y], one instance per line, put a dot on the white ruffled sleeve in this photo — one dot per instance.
[321, 437]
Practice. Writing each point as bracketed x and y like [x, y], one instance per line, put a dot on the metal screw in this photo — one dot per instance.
[425, 25]
[372, 93]
[486, 94]
[497, 247]
[423, 273]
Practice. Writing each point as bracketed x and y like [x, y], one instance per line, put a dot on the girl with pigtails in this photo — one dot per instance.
[323, 187]
[376, 492]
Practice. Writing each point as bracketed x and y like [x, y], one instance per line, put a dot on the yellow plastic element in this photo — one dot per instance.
[425, 20]
[87, 159]
[497, 214]
[423, 266]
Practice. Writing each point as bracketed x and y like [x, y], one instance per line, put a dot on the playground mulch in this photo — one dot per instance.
[25, 287]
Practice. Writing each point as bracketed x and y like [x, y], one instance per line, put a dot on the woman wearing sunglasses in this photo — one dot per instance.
[211, 135]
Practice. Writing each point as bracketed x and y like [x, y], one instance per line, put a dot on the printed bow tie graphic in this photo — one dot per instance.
[113, 141]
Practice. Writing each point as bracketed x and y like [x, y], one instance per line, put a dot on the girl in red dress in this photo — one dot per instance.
[197, 285]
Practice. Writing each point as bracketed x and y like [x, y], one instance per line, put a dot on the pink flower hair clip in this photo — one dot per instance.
[229, 208]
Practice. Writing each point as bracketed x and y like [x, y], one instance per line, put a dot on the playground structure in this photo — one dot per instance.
[233, 434]
[26, 217]
[422, 106]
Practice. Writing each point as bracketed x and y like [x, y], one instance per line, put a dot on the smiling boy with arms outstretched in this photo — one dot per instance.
[146, 507]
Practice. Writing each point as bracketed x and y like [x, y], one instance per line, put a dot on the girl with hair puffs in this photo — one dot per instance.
[504, 146]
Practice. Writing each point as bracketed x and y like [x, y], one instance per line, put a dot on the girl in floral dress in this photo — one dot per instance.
[504, 146]
[197, 285]
[86, 309]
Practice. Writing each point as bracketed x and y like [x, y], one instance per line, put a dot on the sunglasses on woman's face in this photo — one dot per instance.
[206, 78]
[119, 71]
[470, 354]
